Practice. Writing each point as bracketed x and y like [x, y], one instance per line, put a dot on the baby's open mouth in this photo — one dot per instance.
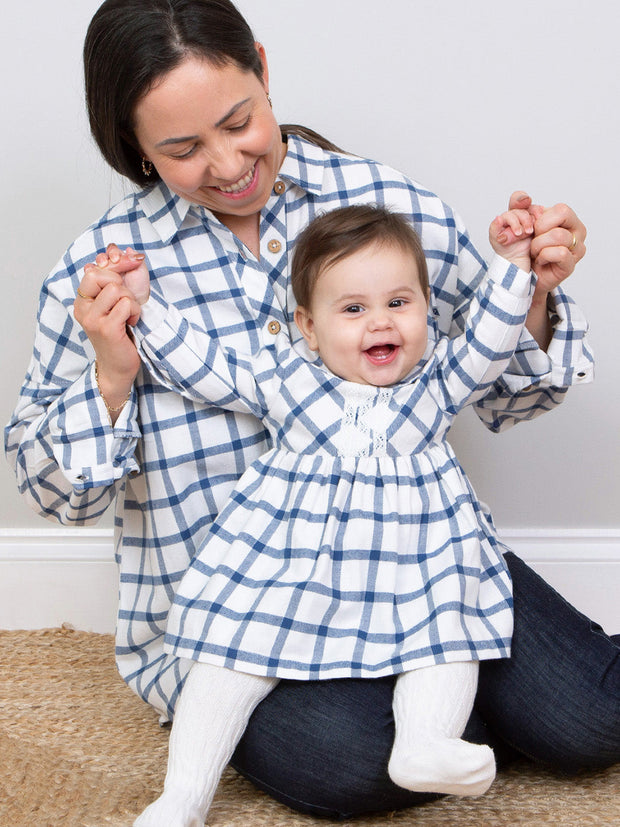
[381, 353]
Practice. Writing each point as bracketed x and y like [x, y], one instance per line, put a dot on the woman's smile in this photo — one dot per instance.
[243, 185]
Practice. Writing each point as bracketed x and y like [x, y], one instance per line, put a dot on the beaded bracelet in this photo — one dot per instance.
[108, 408]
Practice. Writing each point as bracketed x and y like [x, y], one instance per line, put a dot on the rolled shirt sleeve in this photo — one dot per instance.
[536, 381]
[90, 451]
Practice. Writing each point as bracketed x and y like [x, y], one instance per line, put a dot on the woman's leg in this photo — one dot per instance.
[211, 715]
[323, 747]
[557, 699]
[431, 708]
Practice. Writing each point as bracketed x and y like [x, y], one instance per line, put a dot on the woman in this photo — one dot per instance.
[177, 92]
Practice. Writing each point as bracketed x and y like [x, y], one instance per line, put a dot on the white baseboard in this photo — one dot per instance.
[53, 576]
[582, 564]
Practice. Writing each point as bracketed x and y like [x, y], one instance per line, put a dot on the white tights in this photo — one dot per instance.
[431, 708]
[211, 716]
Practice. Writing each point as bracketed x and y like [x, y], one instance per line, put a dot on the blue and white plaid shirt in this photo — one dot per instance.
[169, 462]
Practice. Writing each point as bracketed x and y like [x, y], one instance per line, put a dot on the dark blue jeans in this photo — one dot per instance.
[323, 747]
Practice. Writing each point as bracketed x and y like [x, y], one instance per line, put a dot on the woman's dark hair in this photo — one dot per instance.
[340, 233]
[130, 44]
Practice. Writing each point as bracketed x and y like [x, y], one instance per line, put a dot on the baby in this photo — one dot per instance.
[356, 547]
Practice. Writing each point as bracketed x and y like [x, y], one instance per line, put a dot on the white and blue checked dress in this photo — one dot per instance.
[356, 546]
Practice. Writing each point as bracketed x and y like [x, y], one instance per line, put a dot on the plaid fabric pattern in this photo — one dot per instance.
[169, 463]
[356, 547]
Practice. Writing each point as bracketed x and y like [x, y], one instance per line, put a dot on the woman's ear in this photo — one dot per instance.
[305, 323]
[263, 59]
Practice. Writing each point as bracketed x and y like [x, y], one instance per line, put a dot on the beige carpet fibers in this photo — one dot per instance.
[79, 749]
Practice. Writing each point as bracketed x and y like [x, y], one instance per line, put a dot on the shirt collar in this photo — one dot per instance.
[303, 165]
[164, 210]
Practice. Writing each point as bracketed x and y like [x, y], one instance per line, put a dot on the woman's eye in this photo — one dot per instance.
[240, 127]
[187, 154]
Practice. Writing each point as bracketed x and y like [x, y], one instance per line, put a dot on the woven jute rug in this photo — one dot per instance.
[79, 749]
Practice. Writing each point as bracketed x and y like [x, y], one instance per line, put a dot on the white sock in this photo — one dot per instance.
[431, 708]
[211, 716]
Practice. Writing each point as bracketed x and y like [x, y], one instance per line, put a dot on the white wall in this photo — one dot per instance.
[472, 99]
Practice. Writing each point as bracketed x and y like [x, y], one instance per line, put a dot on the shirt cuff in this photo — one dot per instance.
[89, 450]
[153, 314]
[568, 360]
[507, 275]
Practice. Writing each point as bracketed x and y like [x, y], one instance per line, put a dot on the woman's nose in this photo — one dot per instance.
[226, 165]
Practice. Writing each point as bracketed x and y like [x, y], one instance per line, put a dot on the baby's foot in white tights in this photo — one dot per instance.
[171, 809]
[448, 765]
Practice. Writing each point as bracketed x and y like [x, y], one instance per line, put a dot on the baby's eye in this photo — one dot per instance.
[353, 308]
[397, 303]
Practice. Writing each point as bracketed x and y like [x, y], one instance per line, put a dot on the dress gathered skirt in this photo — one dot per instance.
[355, 548]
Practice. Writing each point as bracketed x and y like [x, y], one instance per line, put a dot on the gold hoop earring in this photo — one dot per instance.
[147, 167]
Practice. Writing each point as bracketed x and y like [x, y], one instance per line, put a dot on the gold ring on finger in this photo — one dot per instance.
[83, 295]
[574, 244]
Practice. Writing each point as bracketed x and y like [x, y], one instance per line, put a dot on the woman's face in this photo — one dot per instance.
[212, 136]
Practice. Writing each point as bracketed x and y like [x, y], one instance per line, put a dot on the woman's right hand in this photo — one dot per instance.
[109, 299]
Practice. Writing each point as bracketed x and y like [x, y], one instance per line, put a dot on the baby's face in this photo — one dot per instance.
[368, 316]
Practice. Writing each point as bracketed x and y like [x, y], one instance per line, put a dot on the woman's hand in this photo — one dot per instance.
[557, 246]
[559, 240]
[108, 300]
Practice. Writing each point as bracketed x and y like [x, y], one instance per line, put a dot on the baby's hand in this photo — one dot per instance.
[132, 268]
[511, 236]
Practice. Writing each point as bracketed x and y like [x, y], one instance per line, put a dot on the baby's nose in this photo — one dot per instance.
[380, 320]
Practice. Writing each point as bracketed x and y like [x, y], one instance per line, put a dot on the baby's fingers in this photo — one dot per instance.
[511, 226]
[113, 253]
[117, 261]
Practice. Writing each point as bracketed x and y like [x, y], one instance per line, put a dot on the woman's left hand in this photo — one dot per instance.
[558, 243]
[557, 246]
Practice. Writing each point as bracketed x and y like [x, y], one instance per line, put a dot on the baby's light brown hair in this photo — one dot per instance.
[340, 233]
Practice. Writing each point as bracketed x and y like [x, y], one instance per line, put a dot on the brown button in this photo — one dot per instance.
[279, 187]
[274, 246]
[273, 327]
